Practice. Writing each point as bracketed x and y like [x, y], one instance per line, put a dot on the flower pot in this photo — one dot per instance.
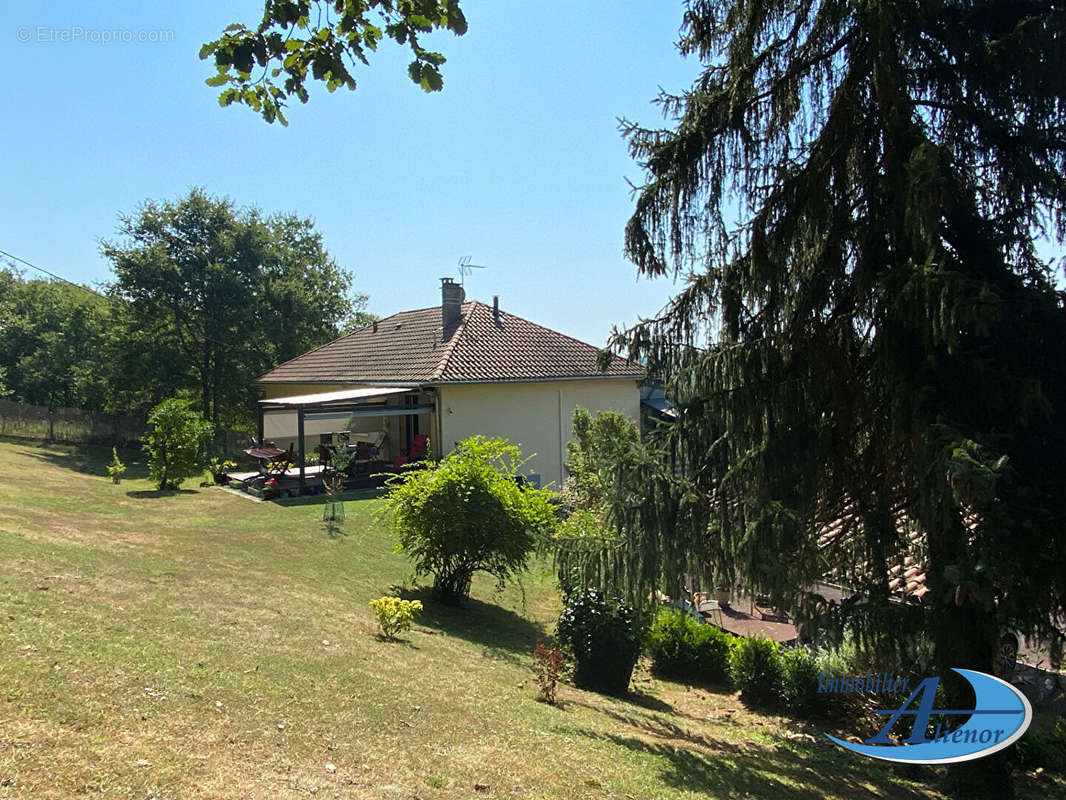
[605, 672]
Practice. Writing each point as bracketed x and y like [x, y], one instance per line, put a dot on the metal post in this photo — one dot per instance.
[300, 437]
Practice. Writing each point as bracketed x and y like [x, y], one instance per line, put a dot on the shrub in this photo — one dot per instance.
[335, 474]
[468, 514]
[757, 671]
[175, 443]
[116, 469]
[1043, 746]
[604, 637]
[547, 665]
[683, 647]
[799, 672]
[395, 614]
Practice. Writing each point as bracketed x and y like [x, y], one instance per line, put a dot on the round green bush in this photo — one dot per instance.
[799, 670]
[681, 646]
[757, 670]
[604, 638]
[175, 443]
[469, 514]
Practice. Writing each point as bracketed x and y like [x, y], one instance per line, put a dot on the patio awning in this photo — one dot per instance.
[339, 396]
[659, 404]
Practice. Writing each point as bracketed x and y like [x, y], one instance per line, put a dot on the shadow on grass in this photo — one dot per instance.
[501, 633]
[693, 683]
[396, 641]
[701, 763]
[648, 701]
[371, 493]
[152, 494]
[88, 459]
[334, 528]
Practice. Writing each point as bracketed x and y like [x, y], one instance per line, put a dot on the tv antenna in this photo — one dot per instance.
[466, 268]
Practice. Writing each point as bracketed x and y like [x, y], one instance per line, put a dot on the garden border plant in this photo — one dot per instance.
[548, 663]
[395, 615]
[116, 469]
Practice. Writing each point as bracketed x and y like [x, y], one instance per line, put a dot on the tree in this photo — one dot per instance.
[296, 37]
[600, 444]
[52, 343]
[176, 443]
[468, 514]
[866, 341]
[215, 296]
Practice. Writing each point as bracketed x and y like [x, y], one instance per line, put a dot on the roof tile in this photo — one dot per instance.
[412, 347]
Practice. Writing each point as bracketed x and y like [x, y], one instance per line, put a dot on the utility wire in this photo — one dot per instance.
[13, 257]
[108, 298]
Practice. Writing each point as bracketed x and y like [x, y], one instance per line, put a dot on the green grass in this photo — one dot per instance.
[199, 644]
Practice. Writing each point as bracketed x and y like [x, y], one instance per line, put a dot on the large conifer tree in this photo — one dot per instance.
[867, 342]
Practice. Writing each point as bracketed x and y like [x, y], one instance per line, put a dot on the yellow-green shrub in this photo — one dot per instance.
[116, 469]
[394, 614]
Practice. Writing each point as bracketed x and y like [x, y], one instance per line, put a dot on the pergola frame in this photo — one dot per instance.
[312, 410]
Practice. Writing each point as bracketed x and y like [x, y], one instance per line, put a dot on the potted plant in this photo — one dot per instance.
[218, 468]
[270, 489]
[604, 637]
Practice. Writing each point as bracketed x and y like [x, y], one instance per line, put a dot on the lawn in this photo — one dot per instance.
[201, 644]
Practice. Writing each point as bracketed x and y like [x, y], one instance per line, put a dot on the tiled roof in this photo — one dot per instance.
[411, 347]
[906, 567]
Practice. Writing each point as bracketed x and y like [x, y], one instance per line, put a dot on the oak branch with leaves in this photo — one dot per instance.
[262, 67]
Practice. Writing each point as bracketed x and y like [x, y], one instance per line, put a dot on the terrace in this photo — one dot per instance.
[382, 427]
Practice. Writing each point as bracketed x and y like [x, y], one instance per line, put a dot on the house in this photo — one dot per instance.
[450, 371]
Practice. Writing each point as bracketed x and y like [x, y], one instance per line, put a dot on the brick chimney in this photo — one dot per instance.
[451, 304]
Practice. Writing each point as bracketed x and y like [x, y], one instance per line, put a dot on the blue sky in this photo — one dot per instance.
[518, 162]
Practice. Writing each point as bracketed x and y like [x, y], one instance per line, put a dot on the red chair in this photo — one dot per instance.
[417, 451]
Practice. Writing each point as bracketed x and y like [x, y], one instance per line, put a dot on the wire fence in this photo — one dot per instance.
[74, 426]
[69, 425]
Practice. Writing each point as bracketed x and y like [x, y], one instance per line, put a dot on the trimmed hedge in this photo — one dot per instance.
[602, 637]
[757, 671]
[681, 646]
[799, 669]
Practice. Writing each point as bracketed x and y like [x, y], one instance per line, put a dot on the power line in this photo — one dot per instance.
[13, 257]
[118, 301]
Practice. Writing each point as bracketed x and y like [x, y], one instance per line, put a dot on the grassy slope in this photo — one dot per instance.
[202, 644]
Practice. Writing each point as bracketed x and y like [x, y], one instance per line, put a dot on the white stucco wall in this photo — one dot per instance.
[536, 416]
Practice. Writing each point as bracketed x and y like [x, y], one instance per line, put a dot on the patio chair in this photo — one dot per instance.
[417, 451]
[279, 465]
[709, 611]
